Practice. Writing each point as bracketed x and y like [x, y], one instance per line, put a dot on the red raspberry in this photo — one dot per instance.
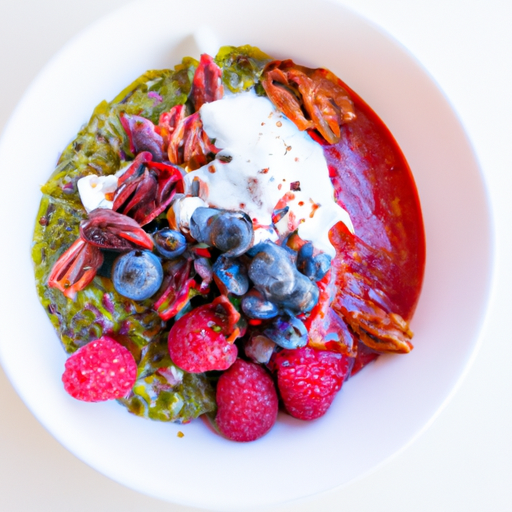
[309, 379]
[202, 340]
[247, 402]
[101, 370]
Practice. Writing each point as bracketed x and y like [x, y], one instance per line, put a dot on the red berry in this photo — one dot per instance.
[247, 402]
[197, 341]
[101, 370]
[309, 379]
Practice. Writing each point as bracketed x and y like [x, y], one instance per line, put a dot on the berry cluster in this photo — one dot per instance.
[251, 310]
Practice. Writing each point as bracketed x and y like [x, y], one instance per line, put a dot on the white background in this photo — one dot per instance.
[464, 461]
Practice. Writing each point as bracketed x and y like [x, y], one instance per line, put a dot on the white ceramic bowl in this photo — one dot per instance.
[377, 414]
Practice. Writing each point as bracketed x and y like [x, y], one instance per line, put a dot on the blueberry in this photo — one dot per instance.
[306, 251]
[323, 264]
[303, 297]
[254, 305]
[169, 243]
[230, 232]
[137, 274]
[272, 272]
[200, 221]
[305, 260]
[313, 267]
[230, 276]
[287, 331]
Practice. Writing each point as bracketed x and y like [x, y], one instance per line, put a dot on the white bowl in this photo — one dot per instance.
[378, 413]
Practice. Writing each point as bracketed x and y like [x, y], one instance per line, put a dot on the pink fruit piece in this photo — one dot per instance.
[308, 380]
[202, 340]
[247, 402]
[101, 370]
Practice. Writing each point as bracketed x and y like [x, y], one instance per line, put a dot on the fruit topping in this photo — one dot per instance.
[76, 268]
[254, 305]
[143, 136]
[247, 246]
[230, 232]
[230, 276]
[101, 370]
[207, 84]
[111, 230]
[287, 331]
[137, 274]
[188, 143]
[313, 267]
[247, 402]
[177, 288]
[169, 243]
[146, 189]
[309, 379]
[274, 274]
[201, 340]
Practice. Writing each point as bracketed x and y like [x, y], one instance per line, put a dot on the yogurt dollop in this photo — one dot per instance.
[98, 191]
[266, 163]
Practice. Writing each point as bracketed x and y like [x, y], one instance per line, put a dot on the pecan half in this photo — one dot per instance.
[311, 98]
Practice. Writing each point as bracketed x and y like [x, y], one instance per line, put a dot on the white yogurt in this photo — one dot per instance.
[268, 157]
[183, 208]
[97, 191]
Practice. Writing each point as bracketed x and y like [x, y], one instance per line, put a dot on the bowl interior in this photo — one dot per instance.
[377, 413]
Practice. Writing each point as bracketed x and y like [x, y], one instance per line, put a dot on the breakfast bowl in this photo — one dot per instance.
[379, 411]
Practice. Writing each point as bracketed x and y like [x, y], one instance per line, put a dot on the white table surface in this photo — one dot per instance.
[464, 460]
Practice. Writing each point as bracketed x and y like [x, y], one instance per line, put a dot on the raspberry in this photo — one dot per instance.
[309, 379]
[101, 370]
[247, 402]
[197, 341]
